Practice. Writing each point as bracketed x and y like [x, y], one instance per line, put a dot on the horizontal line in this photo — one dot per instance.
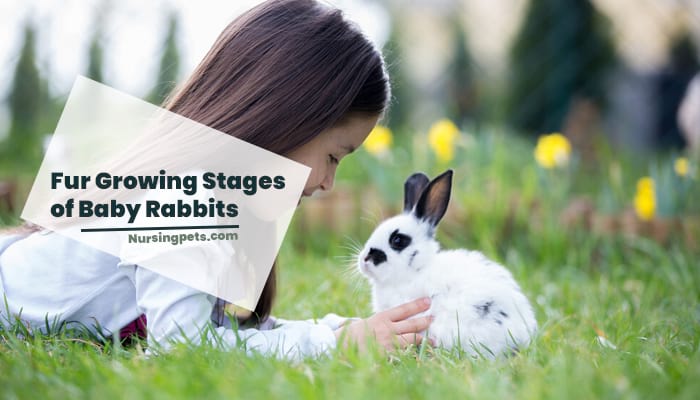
[159, 228]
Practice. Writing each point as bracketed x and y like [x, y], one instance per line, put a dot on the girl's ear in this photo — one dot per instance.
[433, 201]
[412, 189]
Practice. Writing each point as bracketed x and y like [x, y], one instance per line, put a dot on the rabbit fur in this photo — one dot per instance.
[476, 303]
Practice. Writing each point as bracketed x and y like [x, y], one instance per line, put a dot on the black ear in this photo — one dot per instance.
[433, 201]
[412, 189]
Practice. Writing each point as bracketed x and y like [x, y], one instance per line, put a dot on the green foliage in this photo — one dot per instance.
[461, 88]
[28, 101]
[562, 52]
[96, 58]
[169, 69]
[400, 109]
[95, 68]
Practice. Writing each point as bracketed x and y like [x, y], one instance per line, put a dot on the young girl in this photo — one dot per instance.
[290, 76]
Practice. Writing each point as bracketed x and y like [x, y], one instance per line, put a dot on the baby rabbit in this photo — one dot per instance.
[476, 303]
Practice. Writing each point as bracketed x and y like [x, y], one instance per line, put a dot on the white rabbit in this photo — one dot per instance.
[476, 303]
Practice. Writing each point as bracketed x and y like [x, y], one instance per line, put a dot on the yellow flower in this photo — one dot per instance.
[681, 166]
[645, 185]
[552, 150]
[645, 199]
[379, 140]
[442, 137]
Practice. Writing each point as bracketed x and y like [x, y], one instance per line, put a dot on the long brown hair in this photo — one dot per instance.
[279, 75]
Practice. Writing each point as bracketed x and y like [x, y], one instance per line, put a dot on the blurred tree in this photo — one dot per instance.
[28, 101]
[461, 91]
[95, 57]
[169, 63]
[398, 117]
[562, 53]
[95, 68]
[670, 86]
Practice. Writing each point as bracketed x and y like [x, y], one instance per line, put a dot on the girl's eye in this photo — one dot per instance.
[333, 159]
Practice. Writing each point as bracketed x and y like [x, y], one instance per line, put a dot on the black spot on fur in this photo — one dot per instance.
[412, 257]
[399, 241]
[483, 309]
[503, 314]
[377, 256]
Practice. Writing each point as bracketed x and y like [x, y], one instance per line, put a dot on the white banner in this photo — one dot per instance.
[164, 192]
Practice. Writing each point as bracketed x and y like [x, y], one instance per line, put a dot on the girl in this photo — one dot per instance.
[290, 76]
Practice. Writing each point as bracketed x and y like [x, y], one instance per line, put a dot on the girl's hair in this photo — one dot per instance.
[279, 75]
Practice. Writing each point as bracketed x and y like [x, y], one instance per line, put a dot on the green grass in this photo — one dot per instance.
[642, 296]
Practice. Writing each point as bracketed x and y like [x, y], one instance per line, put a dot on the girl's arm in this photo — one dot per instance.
[178, 313]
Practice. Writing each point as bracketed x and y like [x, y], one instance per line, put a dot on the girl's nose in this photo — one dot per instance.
[327, 183]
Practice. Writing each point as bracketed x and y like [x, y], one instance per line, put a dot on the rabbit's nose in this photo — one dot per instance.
[377, 256]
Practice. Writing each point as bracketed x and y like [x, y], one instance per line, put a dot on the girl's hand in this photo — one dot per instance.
[390, 328]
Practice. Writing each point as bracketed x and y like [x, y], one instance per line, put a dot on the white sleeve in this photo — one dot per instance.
[331, 320]
[177, 313]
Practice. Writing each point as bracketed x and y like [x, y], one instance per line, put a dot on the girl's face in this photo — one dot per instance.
[323, 153]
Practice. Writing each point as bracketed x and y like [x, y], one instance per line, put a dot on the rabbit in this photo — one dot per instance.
[476, 304]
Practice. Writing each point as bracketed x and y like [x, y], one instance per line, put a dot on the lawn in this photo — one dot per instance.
[619, 314]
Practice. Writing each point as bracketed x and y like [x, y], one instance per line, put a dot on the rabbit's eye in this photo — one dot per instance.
[399, 241]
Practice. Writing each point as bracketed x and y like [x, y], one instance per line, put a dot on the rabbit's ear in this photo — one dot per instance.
[433, 201]
[412, 189]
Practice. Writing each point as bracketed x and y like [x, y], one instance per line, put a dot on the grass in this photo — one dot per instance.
[619, 316]
[641, 297]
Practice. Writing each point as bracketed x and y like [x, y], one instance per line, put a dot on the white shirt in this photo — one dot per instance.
[48, 276]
